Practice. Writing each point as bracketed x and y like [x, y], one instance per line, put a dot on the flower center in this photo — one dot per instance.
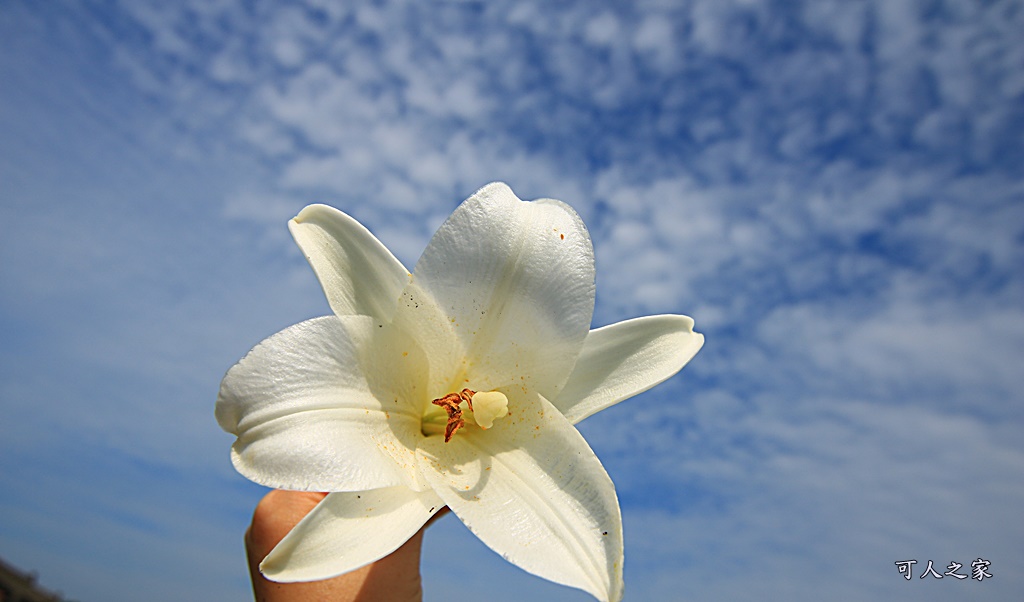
[481, 408]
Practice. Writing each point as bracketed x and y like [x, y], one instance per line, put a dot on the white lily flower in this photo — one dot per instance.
[457, 385]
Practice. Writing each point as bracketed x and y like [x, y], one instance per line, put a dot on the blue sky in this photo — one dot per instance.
[833, 190]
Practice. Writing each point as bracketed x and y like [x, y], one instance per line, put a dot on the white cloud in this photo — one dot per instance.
[655, 37]
[602, 29]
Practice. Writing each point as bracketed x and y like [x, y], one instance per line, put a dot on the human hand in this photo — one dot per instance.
[394, 578]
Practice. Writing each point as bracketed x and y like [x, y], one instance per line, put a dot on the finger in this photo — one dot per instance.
[394, 578]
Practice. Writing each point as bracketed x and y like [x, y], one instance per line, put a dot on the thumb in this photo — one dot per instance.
[394, 578]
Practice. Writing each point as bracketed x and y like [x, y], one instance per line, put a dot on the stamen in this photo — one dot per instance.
[450, 403]
[490, 405]
[451, 427]
[467, 396]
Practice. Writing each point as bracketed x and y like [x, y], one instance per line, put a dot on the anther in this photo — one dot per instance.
[450, 403]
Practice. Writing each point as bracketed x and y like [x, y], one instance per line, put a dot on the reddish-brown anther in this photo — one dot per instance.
[450, 403]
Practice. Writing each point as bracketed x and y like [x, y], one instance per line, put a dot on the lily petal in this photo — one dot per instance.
[306, 419]
[624, 359]
[349, 530]
[358, 273]
[533, 491]
[425, 322]
[514, 282]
